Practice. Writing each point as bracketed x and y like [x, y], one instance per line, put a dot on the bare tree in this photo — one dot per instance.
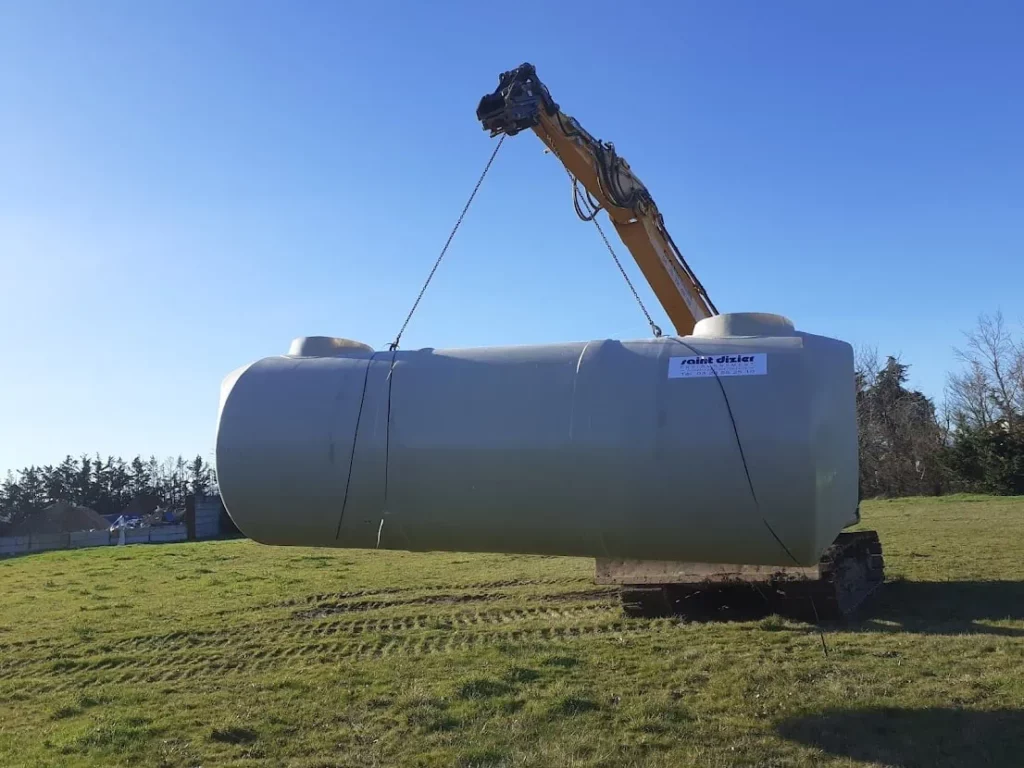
[866, 365]
[990, 390]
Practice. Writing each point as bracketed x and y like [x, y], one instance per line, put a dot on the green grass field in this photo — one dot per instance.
[231, 653]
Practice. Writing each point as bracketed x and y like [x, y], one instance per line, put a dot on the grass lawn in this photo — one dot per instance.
[231, 653]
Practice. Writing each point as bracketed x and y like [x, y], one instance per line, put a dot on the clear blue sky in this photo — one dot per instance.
[185, 186]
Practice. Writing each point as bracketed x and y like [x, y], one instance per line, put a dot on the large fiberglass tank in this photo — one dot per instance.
[737, 444]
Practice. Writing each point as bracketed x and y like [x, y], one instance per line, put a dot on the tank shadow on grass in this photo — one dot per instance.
[921, 607]
[912, 738]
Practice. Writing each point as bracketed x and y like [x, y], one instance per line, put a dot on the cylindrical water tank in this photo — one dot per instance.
[737, 444]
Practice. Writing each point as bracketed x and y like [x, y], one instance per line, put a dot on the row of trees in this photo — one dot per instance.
[107, 486]
[974, 442]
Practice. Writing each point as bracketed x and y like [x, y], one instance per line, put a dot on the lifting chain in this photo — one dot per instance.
[394, 345]
[592, 216]
[587, 210]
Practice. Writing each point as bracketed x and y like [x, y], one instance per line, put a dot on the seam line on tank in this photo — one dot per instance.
[355, 443]
[387, 445]
[575, 380]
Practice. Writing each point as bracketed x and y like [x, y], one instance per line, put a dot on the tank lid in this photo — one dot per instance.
[327, 346]
[744, 324]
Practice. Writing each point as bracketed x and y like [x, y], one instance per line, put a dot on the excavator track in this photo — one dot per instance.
[849, 572]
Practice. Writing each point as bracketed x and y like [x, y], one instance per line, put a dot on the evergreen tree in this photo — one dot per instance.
[199, 476]
[141, 478]
[900, 439]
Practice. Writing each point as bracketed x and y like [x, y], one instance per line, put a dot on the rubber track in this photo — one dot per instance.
[852, 570]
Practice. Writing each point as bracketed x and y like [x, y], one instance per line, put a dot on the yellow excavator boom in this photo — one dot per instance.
[522, 101]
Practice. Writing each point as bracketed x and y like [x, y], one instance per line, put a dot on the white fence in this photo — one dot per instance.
[88, 539]
[158, 534]
[13, 545]
[207, 526]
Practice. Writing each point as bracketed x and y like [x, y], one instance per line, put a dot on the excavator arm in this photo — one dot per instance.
[521, 102]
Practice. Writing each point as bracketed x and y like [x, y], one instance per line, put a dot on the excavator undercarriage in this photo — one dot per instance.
[847, 574]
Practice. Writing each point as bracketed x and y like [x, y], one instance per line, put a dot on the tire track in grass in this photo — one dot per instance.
[13, 653]
[360, 606]
[279, 641]
[186, 653]
[179, 667]
[470, 586]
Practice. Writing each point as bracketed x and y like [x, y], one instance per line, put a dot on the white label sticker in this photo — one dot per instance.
[696, 366]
